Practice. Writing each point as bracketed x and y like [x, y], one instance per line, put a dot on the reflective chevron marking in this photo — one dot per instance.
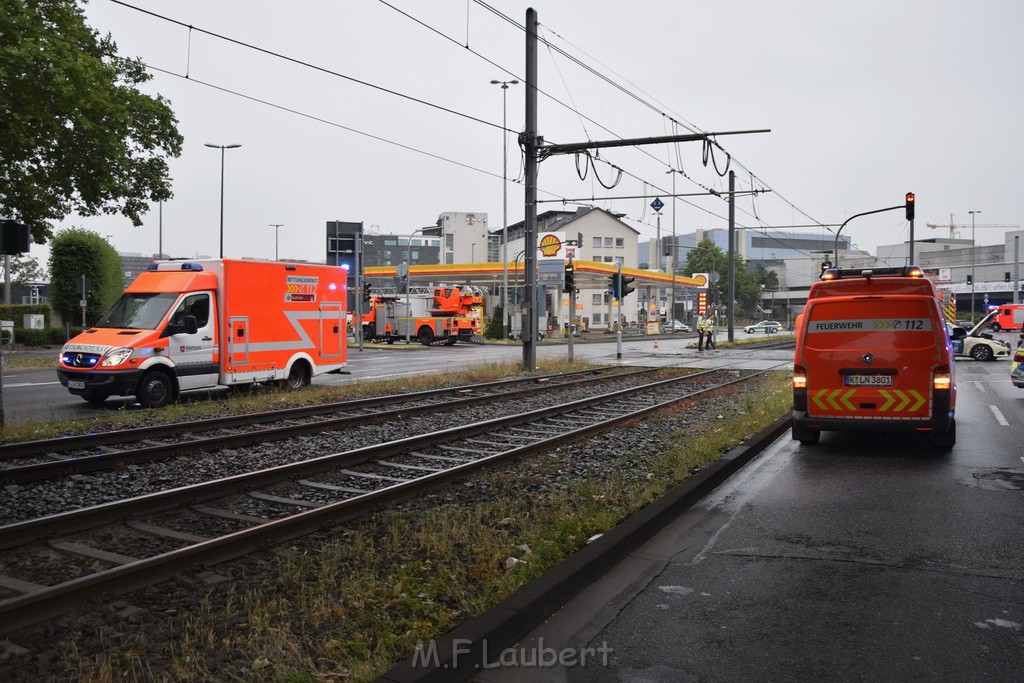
[920, 400]
[817, 399]
[904, 400]
[889, 400]
[845, 400]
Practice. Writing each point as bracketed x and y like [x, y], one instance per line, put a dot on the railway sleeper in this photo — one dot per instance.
[444, 458]
[82, 550]
[330, 487]
[415, 468]
[283, 500]
[371, 475]
[19, 586]
[229, 514]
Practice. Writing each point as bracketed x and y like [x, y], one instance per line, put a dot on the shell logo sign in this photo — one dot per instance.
[549, 245]
[702, 279]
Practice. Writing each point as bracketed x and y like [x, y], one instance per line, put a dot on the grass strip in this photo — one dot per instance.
[349, 603]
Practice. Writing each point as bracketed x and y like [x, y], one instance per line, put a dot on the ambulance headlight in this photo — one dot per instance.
[116, 357]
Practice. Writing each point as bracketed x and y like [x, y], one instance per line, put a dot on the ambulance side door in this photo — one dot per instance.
[194, 354]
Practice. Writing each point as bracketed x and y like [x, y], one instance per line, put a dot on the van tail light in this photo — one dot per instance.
[799, 377]
[941, 379]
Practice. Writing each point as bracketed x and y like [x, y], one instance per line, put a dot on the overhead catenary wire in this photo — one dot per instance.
[708, 145]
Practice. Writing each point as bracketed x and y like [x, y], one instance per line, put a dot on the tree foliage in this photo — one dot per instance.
[707, 257]
[25, 270]
[76, 135]
[77, 252]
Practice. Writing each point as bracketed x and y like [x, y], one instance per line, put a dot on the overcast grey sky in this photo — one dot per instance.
[865, 101]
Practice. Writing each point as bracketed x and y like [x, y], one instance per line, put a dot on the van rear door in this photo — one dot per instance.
[863, 363]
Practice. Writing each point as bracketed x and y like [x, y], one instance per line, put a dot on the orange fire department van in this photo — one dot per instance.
[185, 325]
[873, 354]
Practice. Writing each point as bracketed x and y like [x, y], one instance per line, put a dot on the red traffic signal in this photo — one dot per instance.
[910, 206]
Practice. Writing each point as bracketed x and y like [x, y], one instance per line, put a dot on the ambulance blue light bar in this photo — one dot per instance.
[188, 265]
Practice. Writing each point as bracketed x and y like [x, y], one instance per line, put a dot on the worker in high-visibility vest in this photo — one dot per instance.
[700, 335]
[709, 331]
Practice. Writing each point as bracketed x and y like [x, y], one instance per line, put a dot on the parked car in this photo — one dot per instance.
[674, 325]
[768, 326]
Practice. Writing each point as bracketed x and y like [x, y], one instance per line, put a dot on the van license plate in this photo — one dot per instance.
[869, 380]
[76, 384]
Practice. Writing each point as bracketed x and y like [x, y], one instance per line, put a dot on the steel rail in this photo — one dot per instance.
[37, 606]
[100, 461]
[23, 449]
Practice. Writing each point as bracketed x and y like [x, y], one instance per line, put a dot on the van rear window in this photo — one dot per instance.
[894, 324]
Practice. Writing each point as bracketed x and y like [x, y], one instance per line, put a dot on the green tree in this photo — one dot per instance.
[76, 135]
[77, 252]
[25, 270]
[495, 326]
[707, 257]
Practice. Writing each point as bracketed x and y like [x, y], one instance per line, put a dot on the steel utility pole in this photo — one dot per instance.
[504, 203]
[275, 226]
[535, 150]
[974, 249]
[729, 305]
[530, 141]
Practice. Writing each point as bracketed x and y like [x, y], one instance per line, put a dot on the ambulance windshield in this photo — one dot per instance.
[137, 311]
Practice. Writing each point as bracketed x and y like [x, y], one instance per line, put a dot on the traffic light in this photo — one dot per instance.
[614, 284]
[624, 288]
[569, 280]
[366, 291]
[1006, 276]
[14, 237]
[825, 265]
[970, 279]
[910, 206]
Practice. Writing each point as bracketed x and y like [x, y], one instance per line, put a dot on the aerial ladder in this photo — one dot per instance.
[953, 226]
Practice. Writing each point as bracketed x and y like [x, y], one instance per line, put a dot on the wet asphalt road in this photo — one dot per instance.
[862, 558]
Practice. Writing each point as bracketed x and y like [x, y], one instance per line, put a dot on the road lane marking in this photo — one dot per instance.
[980, 387]
[28, 384]
[999, 416]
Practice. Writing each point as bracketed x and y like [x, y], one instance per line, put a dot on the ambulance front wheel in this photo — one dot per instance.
[94, 398]
[298, 376]
[155, 390]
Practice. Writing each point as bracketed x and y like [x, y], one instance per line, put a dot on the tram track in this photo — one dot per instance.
[52, 458]
[317, 492]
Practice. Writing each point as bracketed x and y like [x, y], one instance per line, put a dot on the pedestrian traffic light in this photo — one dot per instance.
[624, 288]
[366, 291]
[570, 282]
[910, 206]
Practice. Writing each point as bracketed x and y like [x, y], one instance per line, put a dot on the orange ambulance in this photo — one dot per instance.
[185, 325]
[873, 354]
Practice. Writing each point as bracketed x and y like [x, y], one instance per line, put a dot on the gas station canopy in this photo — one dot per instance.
[587, 275]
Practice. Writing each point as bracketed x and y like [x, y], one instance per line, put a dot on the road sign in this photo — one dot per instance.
[657, 204]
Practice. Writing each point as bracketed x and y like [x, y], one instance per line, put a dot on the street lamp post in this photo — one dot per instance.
[408, 265]
[504, 202]
[275, 226]
[974, 248]
[222, 148]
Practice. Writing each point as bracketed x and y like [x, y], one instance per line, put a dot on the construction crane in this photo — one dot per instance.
[953, 226]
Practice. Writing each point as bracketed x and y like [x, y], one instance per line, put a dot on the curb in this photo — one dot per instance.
[460, 653]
